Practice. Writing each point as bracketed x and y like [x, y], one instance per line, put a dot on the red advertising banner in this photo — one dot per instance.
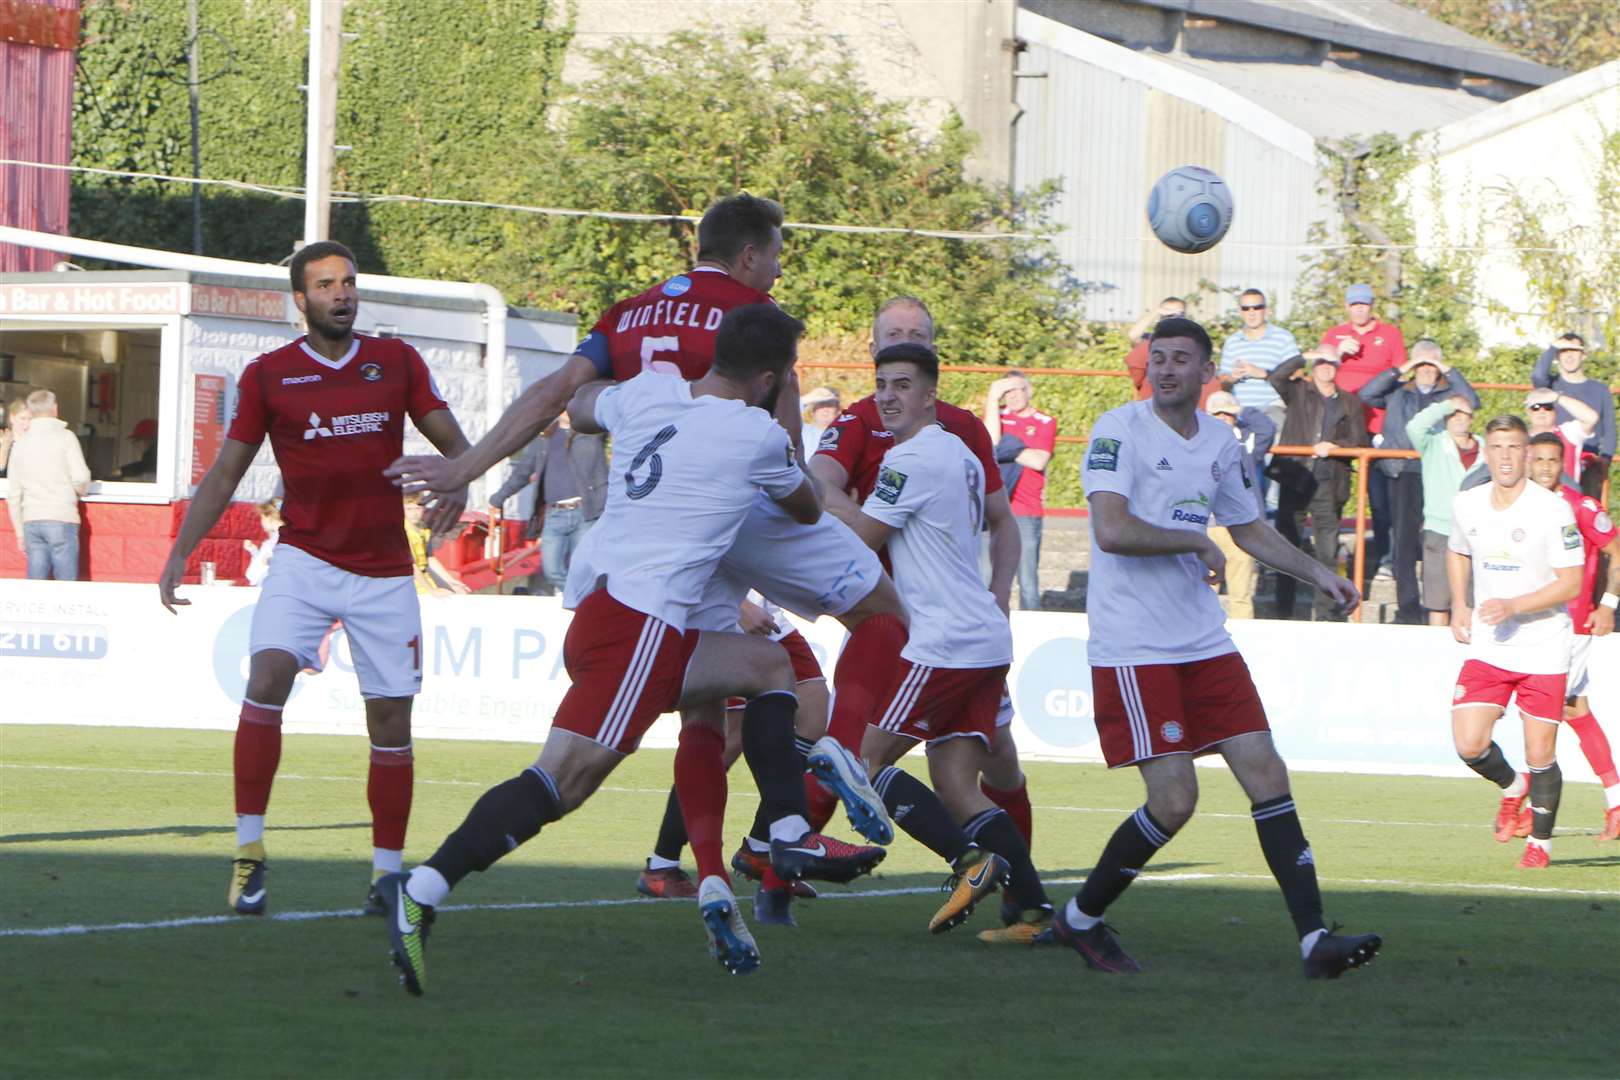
[209, 417]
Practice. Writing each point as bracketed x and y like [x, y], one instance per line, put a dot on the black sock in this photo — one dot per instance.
[1289, 856]
[1138, 838]
[1493, 766]
[671, 831]
[503, 817]
[1546, 788]
[767, 737]
[995, 831]
[918, 810]
[761, 829]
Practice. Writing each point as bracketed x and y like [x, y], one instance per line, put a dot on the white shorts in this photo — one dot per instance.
[302, 597]
[812, 570]
[1579, 652]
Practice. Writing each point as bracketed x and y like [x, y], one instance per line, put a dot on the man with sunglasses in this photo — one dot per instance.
[1541, 408]
[1251, 354]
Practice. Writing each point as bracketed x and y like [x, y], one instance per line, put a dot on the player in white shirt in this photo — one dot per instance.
[928, 508]
[1522, 546]
[1167, 682]
[691, 457]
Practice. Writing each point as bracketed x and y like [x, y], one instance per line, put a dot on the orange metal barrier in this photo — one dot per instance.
[1362, 455]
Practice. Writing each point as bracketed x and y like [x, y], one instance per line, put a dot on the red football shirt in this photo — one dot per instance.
[1382, 346]
[334, 427]
[1039, 432]
[1597, 532]
[857, 440]
[671, 327]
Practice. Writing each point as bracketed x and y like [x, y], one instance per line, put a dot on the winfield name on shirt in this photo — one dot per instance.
[671, 313]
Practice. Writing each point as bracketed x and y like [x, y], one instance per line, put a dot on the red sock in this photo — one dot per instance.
[258, 752]
[819, 802]
[1016, 802]
[388, 790]
[700, 784]
[1595, 745]
[866, 670]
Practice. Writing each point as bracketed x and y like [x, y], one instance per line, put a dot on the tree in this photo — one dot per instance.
[1571, 34]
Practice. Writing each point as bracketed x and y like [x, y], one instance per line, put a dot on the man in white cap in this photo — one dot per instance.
[821, 406]
[1255, 433]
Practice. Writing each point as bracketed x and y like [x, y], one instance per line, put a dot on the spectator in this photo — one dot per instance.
[1171, 307]
[1365, 346]
[144, 467]
[1431, 379]
[48, 477]
[17, 418]
[1255, 431]
[1569, 379]
[432, 576]
[1440, 431]
[1009, 402]
[571, 472]
[821, 405]
[259, 554]
[1322, 416]
[1251, 354]
[1542, 406]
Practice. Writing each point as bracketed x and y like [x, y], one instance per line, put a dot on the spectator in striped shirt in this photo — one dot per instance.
[1251, 354]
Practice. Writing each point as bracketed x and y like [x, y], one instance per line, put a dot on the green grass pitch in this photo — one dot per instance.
[1487, 970]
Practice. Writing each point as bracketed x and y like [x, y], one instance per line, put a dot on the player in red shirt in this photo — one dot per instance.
[810, 570]
[1592, 619]
[847, 460]
[333, 404]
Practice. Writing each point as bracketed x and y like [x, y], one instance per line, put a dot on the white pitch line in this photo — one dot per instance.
[1565, 830]
[79, 929]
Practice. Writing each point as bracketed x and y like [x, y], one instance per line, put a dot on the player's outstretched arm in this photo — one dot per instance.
[1266, 544]
[212, 497]
[833, 478]
[1601, 621]
[535, 408]
[441, 429]
[1458, 569]
[1006, 548]
[804, 504]
[582, 408]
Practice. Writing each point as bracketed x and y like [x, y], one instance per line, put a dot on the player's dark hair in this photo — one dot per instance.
[1547, 438]
[1507, 422]
[307, 254]
[1178, 326]
[735, 222]
[1573, 336]
[909, 352]
[755, 338]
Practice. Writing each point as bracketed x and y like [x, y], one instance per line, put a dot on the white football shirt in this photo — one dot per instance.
[684, 473]
[1515, 552]
[1158, 609]
[931, 489]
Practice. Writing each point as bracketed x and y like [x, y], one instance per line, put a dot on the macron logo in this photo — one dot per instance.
[296, 380]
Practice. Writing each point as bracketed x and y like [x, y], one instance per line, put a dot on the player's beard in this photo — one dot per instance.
[326, 327]
[769, 404]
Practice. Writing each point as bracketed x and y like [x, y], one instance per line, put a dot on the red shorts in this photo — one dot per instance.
[1541, 697]
[627, 669]
[805, 668]
[931, 703]
[1151, 710]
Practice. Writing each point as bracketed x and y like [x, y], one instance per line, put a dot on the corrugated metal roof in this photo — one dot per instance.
[36, 85]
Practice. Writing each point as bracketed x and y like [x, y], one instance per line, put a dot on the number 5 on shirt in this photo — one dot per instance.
[652, 346]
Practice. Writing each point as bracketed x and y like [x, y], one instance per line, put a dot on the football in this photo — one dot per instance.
[1190, 209]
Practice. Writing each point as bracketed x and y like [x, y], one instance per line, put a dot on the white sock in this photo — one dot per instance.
[1519, 788]
[758, 847]
[387, 862]
[1308, 942]
[656, 861]
[249, 827]
[1611, 796]
[427, 886]
[789, 828]
[1077, 918]
[1544, 845]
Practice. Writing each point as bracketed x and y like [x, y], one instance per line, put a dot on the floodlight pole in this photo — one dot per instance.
[325, 43]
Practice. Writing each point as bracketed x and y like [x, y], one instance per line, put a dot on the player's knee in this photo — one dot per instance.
[1470, 748]
[1173, 807]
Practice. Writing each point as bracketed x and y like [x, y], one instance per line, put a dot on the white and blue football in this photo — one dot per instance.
[1190, 209]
